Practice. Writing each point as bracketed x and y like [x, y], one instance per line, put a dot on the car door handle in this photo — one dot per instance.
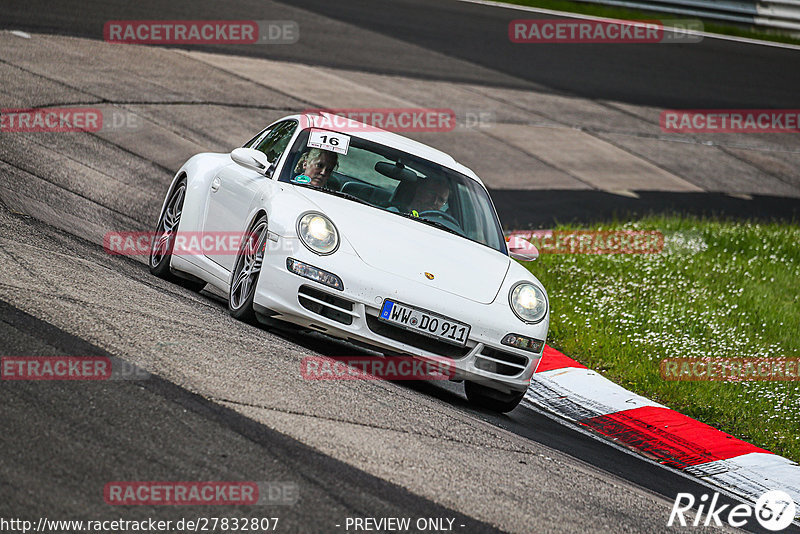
[215, 184]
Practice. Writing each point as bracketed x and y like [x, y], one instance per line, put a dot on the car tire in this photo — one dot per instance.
[164, 241]
[492, 399]
[246, 271]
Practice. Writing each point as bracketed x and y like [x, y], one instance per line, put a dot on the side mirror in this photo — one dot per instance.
[252, 159]
[522, 249]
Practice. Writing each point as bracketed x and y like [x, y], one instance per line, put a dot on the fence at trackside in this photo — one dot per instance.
[783, 14]
[776, 14]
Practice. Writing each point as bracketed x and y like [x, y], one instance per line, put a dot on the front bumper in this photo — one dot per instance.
[352, 314]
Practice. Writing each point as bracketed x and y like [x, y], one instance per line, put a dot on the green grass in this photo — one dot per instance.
[718, 289]
[631, 14]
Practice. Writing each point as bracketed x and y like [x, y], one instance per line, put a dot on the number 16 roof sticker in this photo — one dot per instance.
[325, 140]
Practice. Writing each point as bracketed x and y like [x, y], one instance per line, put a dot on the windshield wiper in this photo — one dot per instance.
[432, 223]
[334, 192]
[437, 224]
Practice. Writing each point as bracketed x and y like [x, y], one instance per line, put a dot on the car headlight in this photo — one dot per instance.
[318, 233]
[528, 302]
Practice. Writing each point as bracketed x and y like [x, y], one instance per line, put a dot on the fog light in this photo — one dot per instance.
[522, 342]
[313, 273]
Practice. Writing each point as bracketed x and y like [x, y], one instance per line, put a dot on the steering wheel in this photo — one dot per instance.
[442, 215]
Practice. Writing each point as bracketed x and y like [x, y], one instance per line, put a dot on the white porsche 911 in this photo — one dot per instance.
[367, 236]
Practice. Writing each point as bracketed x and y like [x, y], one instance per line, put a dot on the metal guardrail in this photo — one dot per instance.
[784, 14]
[777, 14]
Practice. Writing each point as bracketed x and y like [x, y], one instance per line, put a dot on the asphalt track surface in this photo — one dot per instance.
[711, 74]
[71, 434]
[453, 41]
[63, 441]
[219, 408]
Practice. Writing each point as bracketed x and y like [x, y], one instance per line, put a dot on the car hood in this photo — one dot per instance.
[410, 249]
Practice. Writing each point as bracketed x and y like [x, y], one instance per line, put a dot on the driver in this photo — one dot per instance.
[431, 195]
[315, 167]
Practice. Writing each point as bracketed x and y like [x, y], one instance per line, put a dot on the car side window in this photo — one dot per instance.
[276, 141]
[469, 216]
[258, 137]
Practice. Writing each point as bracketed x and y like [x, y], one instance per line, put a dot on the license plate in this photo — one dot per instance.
[425, 323]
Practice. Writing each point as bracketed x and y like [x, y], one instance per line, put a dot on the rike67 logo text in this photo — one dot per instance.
[774, 511]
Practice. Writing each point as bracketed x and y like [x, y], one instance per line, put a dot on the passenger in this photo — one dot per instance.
[315, 167]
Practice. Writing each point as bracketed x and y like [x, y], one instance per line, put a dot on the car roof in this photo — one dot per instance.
[377, 135]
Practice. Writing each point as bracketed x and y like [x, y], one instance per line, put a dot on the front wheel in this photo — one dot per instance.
[164, 240]
[492, 399]
[246, 271]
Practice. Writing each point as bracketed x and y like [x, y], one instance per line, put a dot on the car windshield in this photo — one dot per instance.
[394, 181]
